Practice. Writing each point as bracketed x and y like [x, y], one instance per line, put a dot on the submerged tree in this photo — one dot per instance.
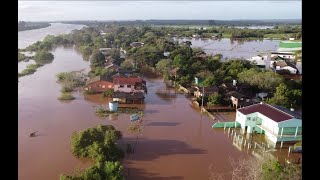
[99, 143]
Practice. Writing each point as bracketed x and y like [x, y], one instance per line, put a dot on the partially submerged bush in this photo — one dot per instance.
[90, 91]
[102, 112]
[108, 93]
[43, 57]
[66, 96]
[66, 89]
[31, 68]
[69, 81]
[107, 170]
[100, 144]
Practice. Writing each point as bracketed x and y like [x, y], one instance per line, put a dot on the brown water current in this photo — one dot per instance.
[177, 142]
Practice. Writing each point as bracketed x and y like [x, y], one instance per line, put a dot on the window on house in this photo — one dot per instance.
[128, 86]
[248, 118]
[109, 86]
[103, 86]
[121, 86]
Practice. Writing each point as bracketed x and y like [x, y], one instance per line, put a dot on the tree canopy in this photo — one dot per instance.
[97, 59]
[100, 144]
[43, 57]
[264, 80]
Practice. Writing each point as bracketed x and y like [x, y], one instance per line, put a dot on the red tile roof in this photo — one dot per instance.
[269, 111]
[127, 80]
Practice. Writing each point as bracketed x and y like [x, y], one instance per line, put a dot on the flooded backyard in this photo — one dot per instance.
[177, 142]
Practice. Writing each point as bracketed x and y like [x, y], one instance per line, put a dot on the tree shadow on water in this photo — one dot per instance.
[162, 124]
[140, 174]
[148, 150]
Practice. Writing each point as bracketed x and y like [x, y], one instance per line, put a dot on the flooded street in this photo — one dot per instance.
[177, 142]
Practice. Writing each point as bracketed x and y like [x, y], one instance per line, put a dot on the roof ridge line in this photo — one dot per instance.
[280, 110]
[249, 106]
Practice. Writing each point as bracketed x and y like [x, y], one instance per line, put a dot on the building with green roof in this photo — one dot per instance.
[289, 46]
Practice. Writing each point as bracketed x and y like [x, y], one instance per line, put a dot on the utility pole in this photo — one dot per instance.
[202, 98]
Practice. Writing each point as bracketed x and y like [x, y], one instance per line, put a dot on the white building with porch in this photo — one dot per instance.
[279, 124]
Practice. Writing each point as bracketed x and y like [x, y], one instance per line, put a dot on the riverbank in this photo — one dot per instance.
[26, 26]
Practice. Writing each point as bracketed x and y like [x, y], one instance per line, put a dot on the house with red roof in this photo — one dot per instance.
[279, 124]
[129, 84]
[98, 84]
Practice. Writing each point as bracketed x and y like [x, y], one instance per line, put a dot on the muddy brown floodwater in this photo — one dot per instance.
[176, 142]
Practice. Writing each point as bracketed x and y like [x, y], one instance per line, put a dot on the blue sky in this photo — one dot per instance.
[142, 10]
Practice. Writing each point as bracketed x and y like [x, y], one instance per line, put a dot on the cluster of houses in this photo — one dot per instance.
[282, 61]
[279, 124]
[277, 61]
[238, 94]
[127, 88]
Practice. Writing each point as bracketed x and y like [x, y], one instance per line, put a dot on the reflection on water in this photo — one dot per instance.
[258, 145]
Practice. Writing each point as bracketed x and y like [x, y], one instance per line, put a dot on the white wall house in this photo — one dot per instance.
[289, 68]
[282, 65]
[287, 55]
[258, 60]
[129, 84]
[277, 123]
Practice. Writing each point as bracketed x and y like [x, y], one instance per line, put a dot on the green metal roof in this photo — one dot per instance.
[291, 44]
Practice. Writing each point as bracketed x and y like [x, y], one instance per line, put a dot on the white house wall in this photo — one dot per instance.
[241, 118]
[124, 88]
[292, 70]
[269, 124]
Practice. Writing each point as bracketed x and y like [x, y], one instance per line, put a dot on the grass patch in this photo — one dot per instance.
[90, 91]
[107, 93]
[66, 89]
[130, 111]
[278, 36]
[102, 112]
[299, 143]
[225, 35]
[31, 68]
[66, 96]
[135, 128]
